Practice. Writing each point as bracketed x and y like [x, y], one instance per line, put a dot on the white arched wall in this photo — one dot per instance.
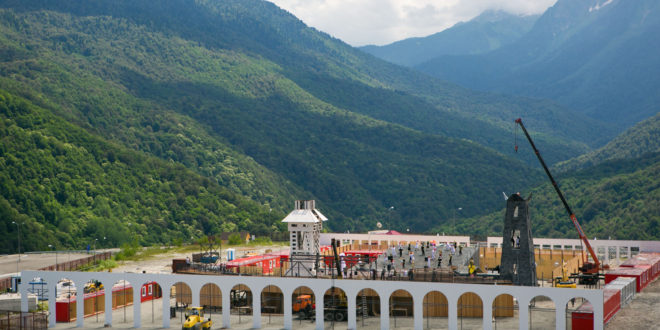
[418, 290]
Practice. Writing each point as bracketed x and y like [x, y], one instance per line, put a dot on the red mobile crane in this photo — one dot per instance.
[589, 270]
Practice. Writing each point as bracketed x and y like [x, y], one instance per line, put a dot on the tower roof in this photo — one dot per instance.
[305, 216]
[305, 212]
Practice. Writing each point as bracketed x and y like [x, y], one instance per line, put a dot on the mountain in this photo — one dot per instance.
[637, 141]
[618, 199]
[596, 57]
[67, 187]
[245, 95]
[484, 33]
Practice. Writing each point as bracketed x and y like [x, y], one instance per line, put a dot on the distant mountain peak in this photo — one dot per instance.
[486, 32]
[493, 15]
[600, 5]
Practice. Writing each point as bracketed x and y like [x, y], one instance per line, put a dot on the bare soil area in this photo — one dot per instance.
[642, 313]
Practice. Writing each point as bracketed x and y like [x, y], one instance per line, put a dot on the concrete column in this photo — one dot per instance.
[598, 316]
[560, 316]
[452, 310]
[618, 255]
[607, 254]
[351, 297]
[137, 304]
[256, 310]
[108, 303]
[226, 323]
[51, 302]
[629, 252]
[384, 311]
[488, 313]
[166, 307]
[288, 315]
[24, 298]
[523, 313]
[418, 311]
[195, 291]
[319, 309]
[80, 305]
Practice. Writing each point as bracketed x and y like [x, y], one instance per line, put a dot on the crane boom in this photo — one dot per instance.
[583, 237]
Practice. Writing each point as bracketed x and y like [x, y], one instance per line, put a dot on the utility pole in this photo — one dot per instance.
[18, 224]
[53, 247]
[454, 220]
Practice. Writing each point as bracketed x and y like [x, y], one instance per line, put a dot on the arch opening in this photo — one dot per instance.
[180, 299]
[272, 305]
[303, 302]
[65, 301]
[580, 312]
[435, 311]
[151, 311]
[470, 311]
[368, 309]
[401, 309]
[93, 301]
[122, 302]
[542, 313]
[335, 308]
[240, 304]
[505, 312]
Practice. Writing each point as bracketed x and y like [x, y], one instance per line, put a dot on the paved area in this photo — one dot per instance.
[9, 264]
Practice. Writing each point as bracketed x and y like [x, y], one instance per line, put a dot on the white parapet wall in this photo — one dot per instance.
[418, 290]
[12, 302]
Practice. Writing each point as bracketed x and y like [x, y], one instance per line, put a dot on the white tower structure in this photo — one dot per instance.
[305, 223]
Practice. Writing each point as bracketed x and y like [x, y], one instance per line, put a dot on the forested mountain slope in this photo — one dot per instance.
[637, 141]
[245, 95]
[67, 187]
[618, 199]
[219, 88]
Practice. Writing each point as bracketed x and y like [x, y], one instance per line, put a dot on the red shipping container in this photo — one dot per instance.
[63, 310]
[639, 273]
[611, 303]
[583, 317]
[266, 262]
[150, 291]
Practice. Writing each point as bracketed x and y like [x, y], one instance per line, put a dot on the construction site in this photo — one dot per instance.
[377, 280]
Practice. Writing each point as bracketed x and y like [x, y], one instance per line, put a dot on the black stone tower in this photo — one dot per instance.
[517, 263]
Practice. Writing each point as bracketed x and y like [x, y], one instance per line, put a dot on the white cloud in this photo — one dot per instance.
[361, 22]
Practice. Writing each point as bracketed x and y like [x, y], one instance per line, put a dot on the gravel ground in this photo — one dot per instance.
[162, 263]
[642, 313]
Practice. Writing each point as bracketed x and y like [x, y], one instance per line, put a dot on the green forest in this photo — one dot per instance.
[69, 188]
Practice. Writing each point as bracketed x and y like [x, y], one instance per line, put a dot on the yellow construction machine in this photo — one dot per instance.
[195, 319]
[564, 281]
[93, 286]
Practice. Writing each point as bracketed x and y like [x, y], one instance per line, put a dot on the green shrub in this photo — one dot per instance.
[235, 239]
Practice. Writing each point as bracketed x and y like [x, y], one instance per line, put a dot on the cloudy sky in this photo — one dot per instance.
[379, 22]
